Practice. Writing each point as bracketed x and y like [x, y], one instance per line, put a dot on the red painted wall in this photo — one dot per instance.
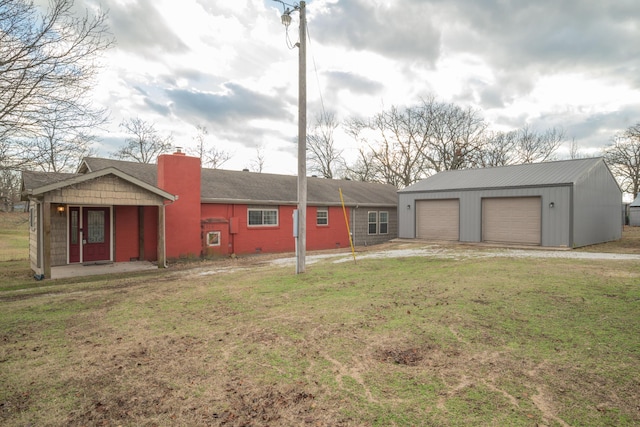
[217, 218]
[126, 233]
[151, 233]
[179, 174]
[331, 236]
[237, 237]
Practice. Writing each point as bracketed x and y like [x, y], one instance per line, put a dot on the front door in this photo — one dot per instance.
[96, 232]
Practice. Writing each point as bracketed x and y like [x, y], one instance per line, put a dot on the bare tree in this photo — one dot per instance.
[518, 146]
[364, 168]
[210, 156]
[535, 147]
[10, 181]
[497, 150]
[62, 140]
[324, 158]
[257, 164]
[145, 144]
[395, 140]
[409, 144]
[47, 64]
[456, 135]
[623, 157]
[54, 154]
[574, 150]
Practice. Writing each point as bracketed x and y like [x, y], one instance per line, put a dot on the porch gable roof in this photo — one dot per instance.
[32, 179]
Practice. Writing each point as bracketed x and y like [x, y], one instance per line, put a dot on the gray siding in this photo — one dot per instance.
[58, 237]
[597, 206]
[555, 221]
[360, 226]
[634, 216]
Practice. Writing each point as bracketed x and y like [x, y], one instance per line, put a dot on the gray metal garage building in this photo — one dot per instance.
[634, 212]
[567, 203]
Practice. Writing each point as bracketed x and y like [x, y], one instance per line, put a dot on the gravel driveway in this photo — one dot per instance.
[452, 252]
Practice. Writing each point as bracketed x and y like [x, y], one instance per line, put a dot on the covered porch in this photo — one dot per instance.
[94, 223]
[98, 269]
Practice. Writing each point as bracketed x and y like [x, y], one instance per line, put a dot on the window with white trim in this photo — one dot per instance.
[373, 222]
[322, 216]
[262, 217]
[383, 222]
[213, 238]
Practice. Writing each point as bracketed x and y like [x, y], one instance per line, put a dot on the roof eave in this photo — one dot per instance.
[512, 187]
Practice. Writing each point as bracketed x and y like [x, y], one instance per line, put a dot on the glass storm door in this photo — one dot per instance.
[74, 234]
[96, 234]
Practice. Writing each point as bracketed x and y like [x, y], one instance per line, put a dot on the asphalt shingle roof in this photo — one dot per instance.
[564, 172]
[33, 179]
[220, 185]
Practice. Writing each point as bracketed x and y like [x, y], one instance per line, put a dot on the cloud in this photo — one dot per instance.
[402, 30]
[352, 82]
[547, 36]
[235, 103]
[140, 28]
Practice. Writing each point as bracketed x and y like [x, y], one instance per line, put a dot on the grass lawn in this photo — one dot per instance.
[405, 341]
[14, 236]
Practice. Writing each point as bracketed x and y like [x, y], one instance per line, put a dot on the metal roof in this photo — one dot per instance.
[636, 202]
[227, 186]
[558, 173]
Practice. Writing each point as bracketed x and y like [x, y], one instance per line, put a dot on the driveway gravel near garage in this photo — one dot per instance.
[451, 251]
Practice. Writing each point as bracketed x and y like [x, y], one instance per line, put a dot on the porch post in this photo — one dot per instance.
[162, 252]
[46, 239]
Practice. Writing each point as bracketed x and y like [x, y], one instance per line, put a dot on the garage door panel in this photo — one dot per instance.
[512, 220]
[438, 219]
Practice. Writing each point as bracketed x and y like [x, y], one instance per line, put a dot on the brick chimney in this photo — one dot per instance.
[180, 175]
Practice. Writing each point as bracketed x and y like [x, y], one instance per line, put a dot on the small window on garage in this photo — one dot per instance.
[373, 222]
[213, 238]
[322, 216]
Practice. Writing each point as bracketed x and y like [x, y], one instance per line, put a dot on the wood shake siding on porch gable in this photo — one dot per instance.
[106, 188]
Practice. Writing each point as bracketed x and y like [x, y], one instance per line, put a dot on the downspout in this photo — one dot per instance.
[164, 236]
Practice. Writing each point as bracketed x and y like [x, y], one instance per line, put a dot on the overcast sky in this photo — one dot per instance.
[226, 65]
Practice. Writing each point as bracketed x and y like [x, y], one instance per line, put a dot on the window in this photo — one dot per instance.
[378, 222]
[74, 227]
[384, 222]
[32, 217]
[373, 222]
[95, 226]
[259, 217]
[322, 216]
[213, 238]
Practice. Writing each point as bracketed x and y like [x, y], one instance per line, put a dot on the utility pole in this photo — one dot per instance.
[301, 230]
[302, 143]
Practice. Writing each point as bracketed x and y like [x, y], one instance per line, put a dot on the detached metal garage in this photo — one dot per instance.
[568, 203]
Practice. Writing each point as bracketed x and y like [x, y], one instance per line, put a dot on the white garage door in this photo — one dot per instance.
[512, 220]
[438, 219]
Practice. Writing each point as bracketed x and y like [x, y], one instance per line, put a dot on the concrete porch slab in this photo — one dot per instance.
[79, 270]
